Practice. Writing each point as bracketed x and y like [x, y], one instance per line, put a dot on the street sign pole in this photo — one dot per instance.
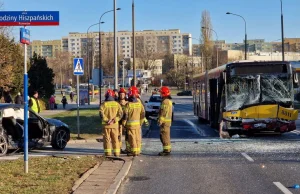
[25, 109]
[78, 126]
[27, 18]
[78, 71]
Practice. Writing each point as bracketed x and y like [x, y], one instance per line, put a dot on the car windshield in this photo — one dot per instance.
[155, 99]
[257, 89]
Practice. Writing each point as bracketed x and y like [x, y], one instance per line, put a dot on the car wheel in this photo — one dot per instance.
[3, 144]
[60, 138]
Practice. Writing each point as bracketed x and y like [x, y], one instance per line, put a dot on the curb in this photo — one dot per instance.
[113, 188]
[82, 141]
[84, 176]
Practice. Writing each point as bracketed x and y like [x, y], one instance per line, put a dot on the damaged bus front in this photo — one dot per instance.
[259, 97]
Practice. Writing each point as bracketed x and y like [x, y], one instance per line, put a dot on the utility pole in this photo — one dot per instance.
[133, 46]
[282, 33]
[115, 45]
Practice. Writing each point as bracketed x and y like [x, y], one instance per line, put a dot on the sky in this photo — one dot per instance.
[262, 17]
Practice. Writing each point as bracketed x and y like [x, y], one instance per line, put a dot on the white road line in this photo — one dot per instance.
[282, 188]
[247, 157]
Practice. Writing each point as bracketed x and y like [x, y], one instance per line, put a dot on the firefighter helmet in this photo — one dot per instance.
[165, 91]
[110, 92]
[122, 90]
[133, 91]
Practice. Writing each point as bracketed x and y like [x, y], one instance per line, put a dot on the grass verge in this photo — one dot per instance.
[46, 174]
[90, 123]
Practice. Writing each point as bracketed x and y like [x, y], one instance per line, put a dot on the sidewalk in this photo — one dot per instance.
[105, 178]
[71, 106]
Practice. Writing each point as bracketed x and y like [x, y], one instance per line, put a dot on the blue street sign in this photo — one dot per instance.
[78, 66]
[29, 18]
[24, 36]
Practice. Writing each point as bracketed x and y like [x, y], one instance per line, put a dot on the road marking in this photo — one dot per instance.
[247, 157]
[282, 188]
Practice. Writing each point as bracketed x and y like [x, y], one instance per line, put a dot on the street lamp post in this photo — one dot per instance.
[245, 31]
[217, 41]
[100, 53]
[282, 32]
[88, 59]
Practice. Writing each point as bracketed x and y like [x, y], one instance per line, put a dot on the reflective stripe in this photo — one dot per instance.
[111, 104]
[107, 150]
[117, 150]
[134, 149]
[133, 123]
[134, 105]
[167, 147]
[164, 119]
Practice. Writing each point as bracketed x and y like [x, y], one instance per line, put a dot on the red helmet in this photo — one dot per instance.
[133, 91]
[110, 92]
[165, 91]
[122, 90]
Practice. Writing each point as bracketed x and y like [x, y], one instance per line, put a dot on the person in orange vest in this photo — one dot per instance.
[164, 120]
[134, 115]
[110, 113]
[123, 101]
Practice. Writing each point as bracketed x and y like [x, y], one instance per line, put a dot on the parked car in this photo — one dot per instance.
[152, 106]
[41, 131]
[185, 93]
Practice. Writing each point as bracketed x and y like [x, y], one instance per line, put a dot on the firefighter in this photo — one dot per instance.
[164, 120]
[123, 101]
[110, 113]
[133, 118]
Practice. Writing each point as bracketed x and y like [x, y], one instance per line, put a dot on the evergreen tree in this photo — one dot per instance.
[40, 77]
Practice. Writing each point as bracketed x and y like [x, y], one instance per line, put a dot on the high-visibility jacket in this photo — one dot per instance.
[35, 106]
[134, 115]
[165, 112]
[110, 110]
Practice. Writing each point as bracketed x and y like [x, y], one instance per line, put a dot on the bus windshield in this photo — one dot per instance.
[258, 89]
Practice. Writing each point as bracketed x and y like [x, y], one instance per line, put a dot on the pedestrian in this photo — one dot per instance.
[18, 99]
[34, 102]
[110, 114]
[52, 102]
[133, 118]
[71, 96]
[123, 101]
[146, 89]
[64, 101]
[7, 97]
[164, 120]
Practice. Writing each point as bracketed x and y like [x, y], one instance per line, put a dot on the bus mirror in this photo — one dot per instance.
[295, 78]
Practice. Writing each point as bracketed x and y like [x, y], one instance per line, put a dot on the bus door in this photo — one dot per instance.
[213, 90]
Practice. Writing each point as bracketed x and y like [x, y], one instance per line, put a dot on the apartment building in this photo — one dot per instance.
[44, 48]
[159, 41]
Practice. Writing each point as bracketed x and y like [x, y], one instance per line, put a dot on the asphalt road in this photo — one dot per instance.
[203, 163]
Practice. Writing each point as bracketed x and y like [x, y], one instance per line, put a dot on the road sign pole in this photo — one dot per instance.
[25, 111]
[78, 127]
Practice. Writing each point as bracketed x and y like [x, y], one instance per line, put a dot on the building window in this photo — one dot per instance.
[128, 51]
[127, 46]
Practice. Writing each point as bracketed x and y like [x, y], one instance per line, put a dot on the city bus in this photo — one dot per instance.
[296, 66]
[247, 97]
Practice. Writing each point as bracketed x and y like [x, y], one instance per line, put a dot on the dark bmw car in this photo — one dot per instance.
[185, 93]
[41, 131]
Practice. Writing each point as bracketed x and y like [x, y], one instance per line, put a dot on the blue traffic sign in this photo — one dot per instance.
[78, 66]
[29, 18]
[24, 36]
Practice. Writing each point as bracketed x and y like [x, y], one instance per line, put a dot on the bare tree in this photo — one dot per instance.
[206, 37]
[62, 66]
[147, 52]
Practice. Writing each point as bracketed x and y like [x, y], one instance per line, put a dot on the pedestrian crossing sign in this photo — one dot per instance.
[78, 66]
